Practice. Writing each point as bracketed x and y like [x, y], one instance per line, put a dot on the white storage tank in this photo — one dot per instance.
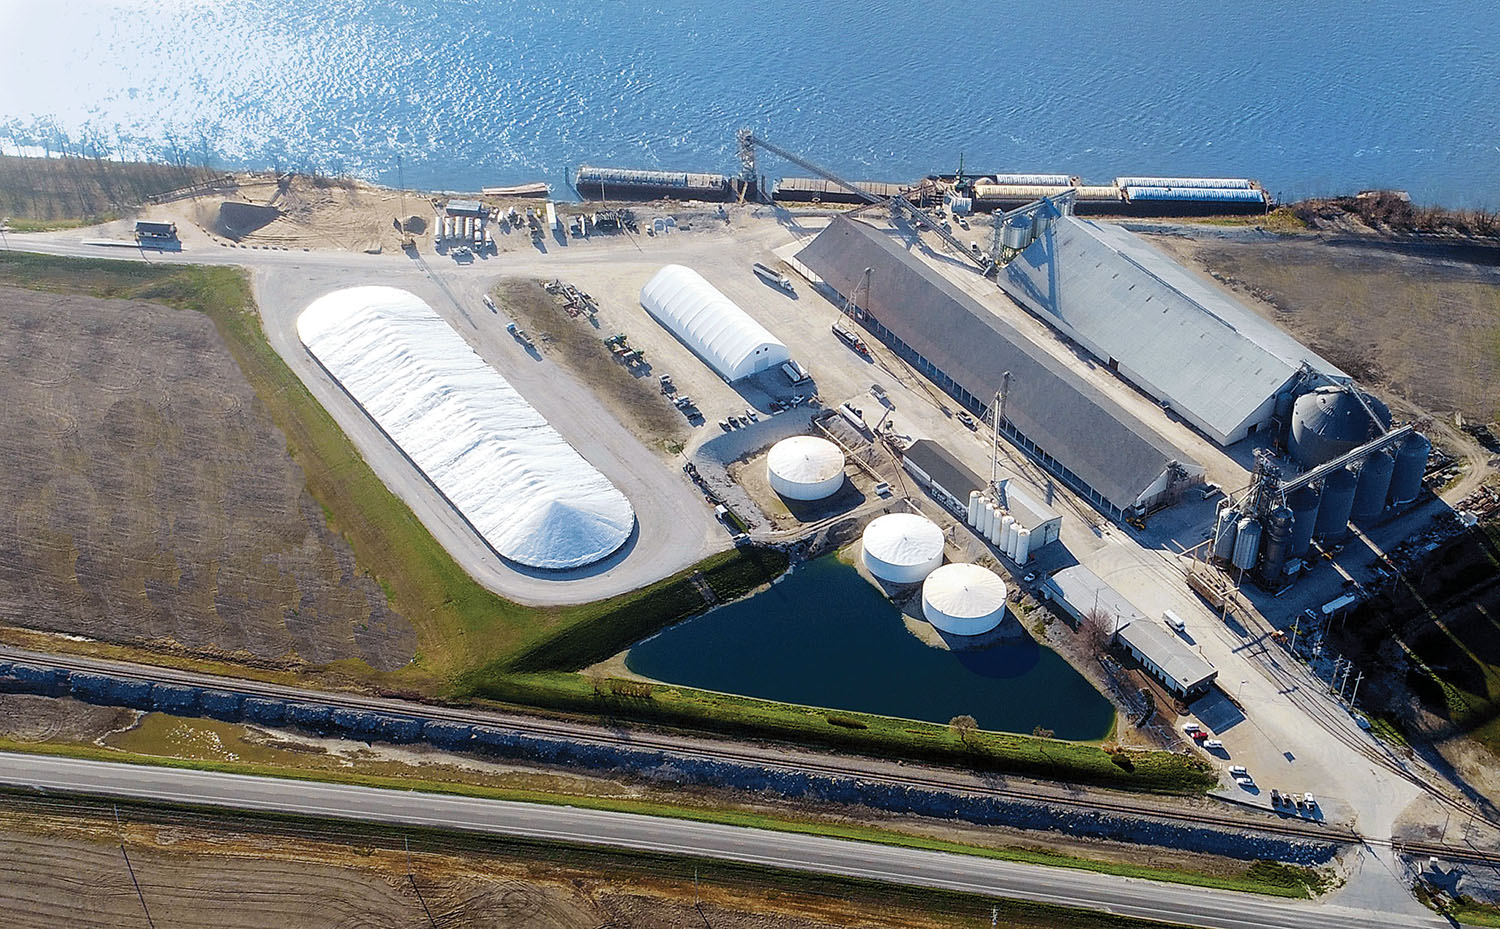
[963, 599]
[1246, 544]
[902, 548]
[1007, 532]
[974, 508]
[805, 467]
[1023, 545]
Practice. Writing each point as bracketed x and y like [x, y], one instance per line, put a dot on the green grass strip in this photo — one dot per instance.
[1265, 878]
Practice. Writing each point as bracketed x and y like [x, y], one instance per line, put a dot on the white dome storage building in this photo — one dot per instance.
[902, 548]
[963, 599]
[805, 467]
[711, 324]
[528, 493]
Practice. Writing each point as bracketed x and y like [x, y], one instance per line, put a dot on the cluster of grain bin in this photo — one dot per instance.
[1274, 541]
[964, 599]
[1005, 531]
[902, 548]
[805, 467]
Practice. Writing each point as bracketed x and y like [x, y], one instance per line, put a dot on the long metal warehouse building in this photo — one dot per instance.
[1212, 359]
[1082, 436]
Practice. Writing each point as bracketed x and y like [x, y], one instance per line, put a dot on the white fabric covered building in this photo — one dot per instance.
[902, 548]
[518, 483]
[711, 324]
[963, 599]
[805, 467]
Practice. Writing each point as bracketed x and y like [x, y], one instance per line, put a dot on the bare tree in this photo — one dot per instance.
[1098, 629]
[962, 726]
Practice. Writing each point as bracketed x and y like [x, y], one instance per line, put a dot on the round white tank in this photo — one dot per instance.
[963, 599]
[805, 467]
[974, 508]
[997, 518]
[991, 518]
[902, 548]
[1007, 531]
[1023, 546]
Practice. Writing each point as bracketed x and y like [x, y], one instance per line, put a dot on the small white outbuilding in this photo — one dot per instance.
[963, 599]
[711, 324]
[902, 548]
[805, 467]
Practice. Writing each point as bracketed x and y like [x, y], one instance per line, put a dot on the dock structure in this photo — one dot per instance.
[821, 190]
[594, 183]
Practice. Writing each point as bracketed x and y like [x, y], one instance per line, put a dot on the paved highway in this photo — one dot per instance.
[1124, 896]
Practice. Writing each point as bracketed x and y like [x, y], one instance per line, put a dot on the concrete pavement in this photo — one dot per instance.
[1192, 906]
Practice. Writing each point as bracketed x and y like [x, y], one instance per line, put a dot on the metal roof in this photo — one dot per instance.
[1081, 591]
[1225, 194]
[464, 208]
[943, 469]
[1116, 454]
[1185, 667]
[1172, 335]
[1026, 504]
[1220, 182]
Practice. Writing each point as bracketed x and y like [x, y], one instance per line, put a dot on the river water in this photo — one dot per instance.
[1309, 97]
[823, 636]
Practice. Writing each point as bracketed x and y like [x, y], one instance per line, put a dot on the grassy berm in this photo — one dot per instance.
[474, 645]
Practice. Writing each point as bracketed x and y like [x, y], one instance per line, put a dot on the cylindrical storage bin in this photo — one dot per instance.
[902, 548]
[1333, 510]
[805, 467]
[963, 599]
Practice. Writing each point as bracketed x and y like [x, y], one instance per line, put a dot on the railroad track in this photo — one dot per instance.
[774, 758]
[1305, 690]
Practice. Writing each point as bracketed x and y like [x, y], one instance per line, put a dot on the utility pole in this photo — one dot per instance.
[1296, 626]
[1355, 693]
[998, 413]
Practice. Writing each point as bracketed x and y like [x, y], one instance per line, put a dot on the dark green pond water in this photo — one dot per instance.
[823, 636]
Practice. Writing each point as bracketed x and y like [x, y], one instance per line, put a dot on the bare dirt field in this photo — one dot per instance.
[633, 395]
[1421, 326]
[150, 500]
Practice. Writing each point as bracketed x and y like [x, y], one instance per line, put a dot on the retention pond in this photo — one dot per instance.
[823, 636]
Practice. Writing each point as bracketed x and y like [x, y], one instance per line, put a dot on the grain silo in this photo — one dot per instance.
[1246, 543]
[902, 548]
[1277, 535]
[1374, 483]
[1304, 506]
[1224, 533]
[805, 467]
[963, 599]
[1333, 510]
[1411, 465]
[1331, 421]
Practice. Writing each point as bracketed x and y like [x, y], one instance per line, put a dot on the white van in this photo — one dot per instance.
[1173, 620]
